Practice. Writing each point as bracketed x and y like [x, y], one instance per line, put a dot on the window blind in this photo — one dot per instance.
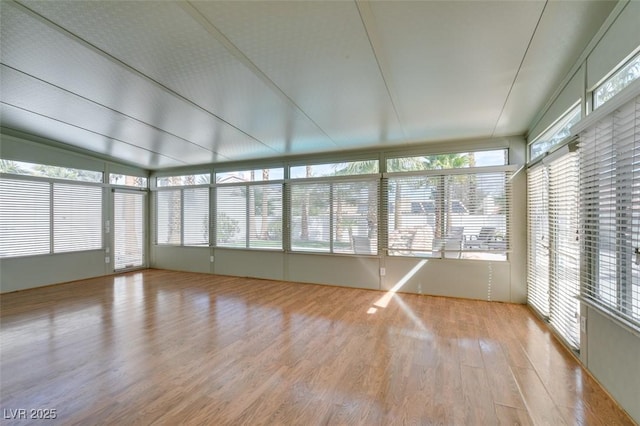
[128, 227]
[77, 217]
[196, 216]
[249, 216]
[610, 213]
[25, 217]
[564, 262]
[453, 215]
[538, 257]
[265, 223]
[335, 216]
[169, 217]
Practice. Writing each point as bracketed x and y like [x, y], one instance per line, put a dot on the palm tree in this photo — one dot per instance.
[8, 166]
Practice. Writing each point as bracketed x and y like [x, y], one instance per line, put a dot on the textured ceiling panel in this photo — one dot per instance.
[34, 95]
[457, 62]
[161, 84]
[318, 54]
[564, 30]
[42, 51]
[163, 42]
[38, 125]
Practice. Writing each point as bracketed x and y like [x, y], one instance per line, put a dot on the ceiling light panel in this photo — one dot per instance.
[163, 42]
[318, 54]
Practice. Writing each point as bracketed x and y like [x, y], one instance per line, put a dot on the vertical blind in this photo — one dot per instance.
[335, 216]
[128, 229]
[610, 213]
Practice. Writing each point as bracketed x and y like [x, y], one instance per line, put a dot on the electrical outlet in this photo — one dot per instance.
[383, 272]
[583, 324]
[107, 259]
[211, 259]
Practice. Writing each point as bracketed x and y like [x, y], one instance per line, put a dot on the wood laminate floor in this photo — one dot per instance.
[161, 347]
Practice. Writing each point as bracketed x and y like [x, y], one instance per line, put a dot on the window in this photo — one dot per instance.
[25, 219]
[126, 180]
[26, 211]
[77, 217]
[185, 180]
[182, 216]
[610, 213]
[53, 172]
[257, 175]
[339, 213]
[554, 248]
[459, 160]
[436, 210]
[334, 169]
[555, 134]
[617, 82]
[249, 209]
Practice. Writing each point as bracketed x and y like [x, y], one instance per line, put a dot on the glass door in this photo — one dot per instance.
[129, 235]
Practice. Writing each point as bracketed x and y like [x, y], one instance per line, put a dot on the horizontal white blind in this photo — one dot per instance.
[196, 216]
[25, 217]
[310, 217]
[453, 215]
[565, 248]
[610, 213]
[128, 227]
[354, 217]
[415, 214]
[538, 258]
[265, 223]
[169, 217]
[77, 217]
[231, 216]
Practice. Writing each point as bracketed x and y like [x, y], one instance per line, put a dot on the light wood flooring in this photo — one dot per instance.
[162, 347]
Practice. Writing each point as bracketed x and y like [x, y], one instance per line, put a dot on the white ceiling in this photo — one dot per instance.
[165, 84]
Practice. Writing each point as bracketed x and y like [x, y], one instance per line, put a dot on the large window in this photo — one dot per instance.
[44, 214]
[182, 214]
[449, 205]
[334, 208]
[249, 209]
[610, 213]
